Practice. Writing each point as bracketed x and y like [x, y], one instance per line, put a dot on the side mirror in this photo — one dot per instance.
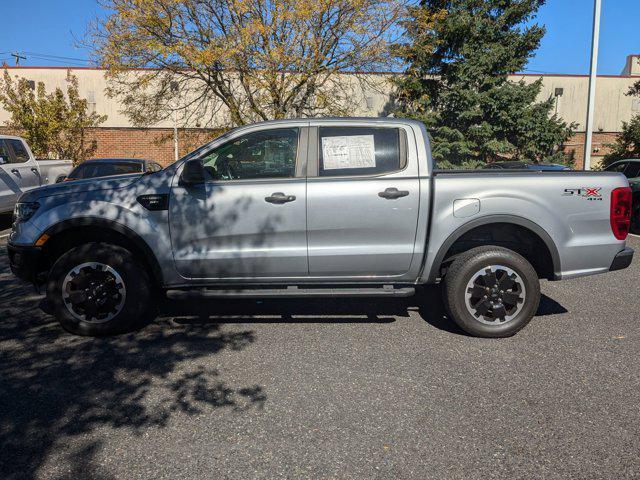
[192, 173]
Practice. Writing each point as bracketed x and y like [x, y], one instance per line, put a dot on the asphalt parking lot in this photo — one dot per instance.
[326, 389]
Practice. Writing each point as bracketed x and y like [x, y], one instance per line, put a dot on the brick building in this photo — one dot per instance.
[118, 137]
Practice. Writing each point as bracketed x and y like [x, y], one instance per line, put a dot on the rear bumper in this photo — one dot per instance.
[25, 261]
[622, 260]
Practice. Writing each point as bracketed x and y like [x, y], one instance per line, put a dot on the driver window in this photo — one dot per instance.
[264, 154]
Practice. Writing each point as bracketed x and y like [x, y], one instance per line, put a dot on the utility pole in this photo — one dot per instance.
[18, 57]
[173, 85]
[595, 39]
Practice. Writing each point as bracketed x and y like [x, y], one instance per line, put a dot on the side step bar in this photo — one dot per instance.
[291, 292]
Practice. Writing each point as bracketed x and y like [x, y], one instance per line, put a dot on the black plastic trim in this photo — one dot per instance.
[25, 261]
[489, 219]
[291, 292]
[622, 260]
[154, 202]
[116, 227]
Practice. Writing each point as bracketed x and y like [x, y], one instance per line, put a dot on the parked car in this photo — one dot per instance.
[631, 169]
[20, 171]
[525, 166]
[106, 167]
[312, 208]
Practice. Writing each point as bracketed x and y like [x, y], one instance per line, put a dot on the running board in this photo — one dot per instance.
[292, 292]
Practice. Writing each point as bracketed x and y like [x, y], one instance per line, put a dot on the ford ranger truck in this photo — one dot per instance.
[311, 208]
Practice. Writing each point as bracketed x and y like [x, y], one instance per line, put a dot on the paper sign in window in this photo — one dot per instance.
[354, 151]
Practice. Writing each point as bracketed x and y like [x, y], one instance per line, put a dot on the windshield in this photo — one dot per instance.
[93, 170]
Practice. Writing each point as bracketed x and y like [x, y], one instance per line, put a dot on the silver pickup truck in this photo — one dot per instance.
[20, 171]
[326, 207]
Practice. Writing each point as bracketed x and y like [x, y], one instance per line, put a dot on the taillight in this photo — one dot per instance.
[620, 216]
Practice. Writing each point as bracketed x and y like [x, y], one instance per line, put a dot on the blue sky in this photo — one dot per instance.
[52, 28]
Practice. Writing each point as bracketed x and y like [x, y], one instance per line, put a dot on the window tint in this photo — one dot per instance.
[358, 151]
[4, 152]
[93, 170]
[20, 153]
[632, 170]
[266, 154]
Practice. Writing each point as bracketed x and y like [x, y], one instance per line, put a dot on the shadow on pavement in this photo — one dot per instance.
[427, 303]
[56, 387]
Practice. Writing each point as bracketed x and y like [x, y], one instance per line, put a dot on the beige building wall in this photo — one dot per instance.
[370, 97]
[612, 105]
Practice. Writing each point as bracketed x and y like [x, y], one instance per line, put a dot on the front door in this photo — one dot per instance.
[248, 220]
[362, 203]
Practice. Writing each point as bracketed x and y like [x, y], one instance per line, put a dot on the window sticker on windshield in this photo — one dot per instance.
[354, 151]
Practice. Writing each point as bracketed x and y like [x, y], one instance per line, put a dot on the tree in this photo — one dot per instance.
[627, 145]
[237, 61]
[459, 54]
[54, 124]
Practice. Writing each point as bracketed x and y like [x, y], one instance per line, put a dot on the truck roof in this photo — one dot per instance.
[381, 120]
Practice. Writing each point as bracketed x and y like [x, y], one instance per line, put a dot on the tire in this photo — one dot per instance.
[98, 289]
[505, 309]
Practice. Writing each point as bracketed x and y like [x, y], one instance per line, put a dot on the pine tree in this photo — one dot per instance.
[459, 54]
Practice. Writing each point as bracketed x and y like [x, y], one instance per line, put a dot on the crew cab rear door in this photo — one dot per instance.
[248, 220]
[363, 197]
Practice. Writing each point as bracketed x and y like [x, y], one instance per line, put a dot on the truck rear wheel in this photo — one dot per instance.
[99, 289]
[491, 292]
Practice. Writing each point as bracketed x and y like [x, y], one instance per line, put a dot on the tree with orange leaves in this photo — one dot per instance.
[232, 62]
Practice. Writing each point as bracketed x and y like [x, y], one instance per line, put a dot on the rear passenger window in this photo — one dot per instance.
[4, 152]
[20, 153]
[348, 151]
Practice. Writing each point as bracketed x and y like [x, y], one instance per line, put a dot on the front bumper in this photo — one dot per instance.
[622, 259]
[25, 261]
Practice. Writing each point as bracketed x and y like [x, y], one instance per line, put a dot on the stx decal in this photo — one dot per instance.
[590, 193]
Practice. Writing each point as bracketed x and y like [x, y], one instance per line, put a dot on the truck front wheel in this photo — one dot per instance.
[99, 289]
[491, 291]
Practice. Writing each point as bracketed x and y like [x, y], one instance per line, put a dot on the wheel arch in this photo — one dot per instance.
[536, 232]
[67, 234]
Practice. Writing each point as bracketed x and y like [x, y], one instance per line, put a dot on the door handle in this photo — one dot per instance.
[392, 193]
[35, 170]
[15, 171]
[279, 198]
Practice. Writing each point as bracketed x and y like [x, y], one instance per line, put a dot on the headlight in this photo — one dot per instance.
[23, 211]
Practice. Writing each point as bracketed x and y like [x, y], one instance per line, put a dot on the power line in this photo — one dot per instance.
[58, 57]
[62, 62]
